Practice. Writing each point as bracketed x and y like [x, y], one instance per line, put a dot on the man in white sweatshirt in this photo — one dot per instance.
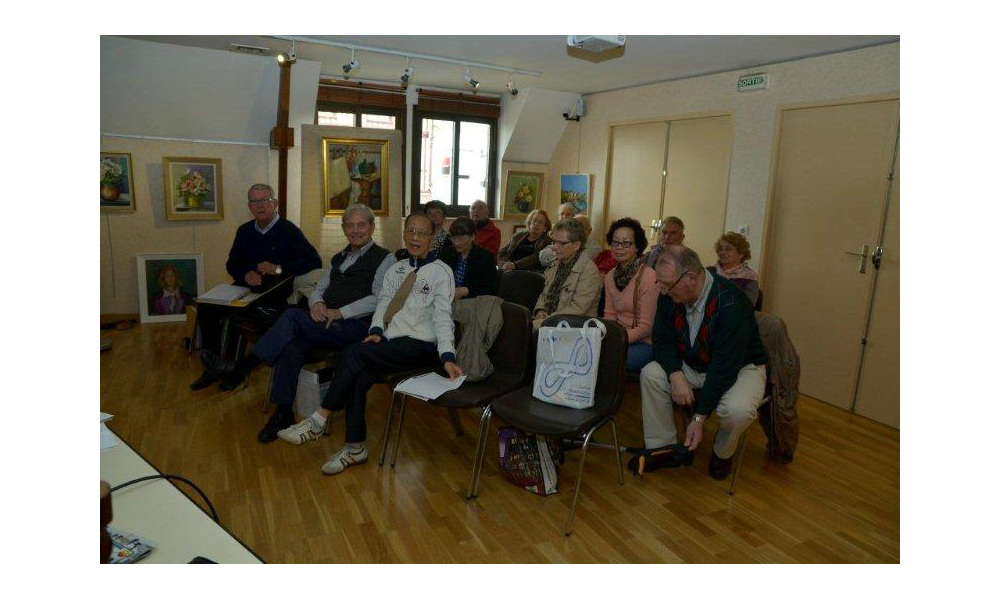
[411, 327]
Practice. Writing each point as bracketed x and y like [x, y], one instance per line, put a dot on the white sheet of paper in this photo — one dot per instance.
[108, 439]
[106, 417]
[428, 386]
[224, 293]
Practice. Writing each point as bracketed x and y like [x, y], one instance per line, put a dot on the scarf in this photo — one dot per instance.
[562, 272]
[624, 274]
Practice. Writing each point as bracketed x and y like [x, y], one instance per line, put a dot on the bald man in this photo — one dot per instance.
[487, 233]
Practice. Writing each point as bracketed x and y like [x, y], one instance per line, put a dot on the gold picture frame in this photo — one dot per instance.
[355, 170]
[192, 188]
[117, 182]
[522, 193]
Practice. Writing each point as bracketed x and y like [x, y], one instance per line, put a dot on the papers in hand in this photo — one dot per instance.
[224, 294]
[429, 386]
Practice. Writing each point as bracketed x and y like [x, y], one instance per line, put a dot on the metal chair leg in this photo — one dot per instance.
[388, 428]
[399, 430]
[579, 480]
[267, 395]
[740, 450]
[477, 459]
[618, 452]
[456, 421]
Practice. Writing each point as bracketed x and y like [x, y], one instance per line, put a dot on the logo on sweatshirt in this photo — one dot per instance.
[422, 288]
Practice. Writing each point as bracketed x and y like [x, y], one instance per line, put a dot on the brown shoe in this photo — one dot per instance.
[718, 468]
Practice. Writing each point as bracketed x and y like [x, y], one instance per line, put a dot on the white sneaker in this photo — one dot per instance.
[302, 432]
[345, 457]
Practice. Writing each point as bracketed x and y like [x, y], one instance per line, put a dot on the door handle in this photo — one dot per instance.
[864, 258]
[877, 257]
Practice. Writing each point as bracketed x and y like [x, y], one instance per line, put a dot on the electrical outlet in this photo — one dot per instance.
[744, 230]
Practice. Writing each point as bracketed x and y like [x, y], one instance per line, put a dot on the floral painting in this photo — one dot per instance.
[192, 188]
[355, 171]
[117, 187]
[522, 193]
[575, 188]
[168, 285]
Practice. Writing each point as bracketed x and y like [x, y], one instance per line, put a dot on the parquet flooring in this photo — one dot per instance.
[837, 502]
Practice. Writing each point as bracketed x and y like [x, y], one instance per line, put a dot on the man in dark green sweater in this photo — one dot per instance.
[705, 338]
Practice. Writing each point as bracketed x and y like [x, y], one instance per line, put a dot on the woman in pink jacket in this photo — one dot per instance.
[630, 290]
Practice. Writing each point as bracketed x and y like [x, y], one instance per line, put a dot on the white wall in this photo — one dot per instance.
[856, 73]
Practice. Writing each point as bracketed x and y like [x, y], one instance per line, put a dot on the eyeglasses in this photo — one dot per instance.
[685, 273]
[260, 201]
[560, 243]
[418, 233]
[625, 244]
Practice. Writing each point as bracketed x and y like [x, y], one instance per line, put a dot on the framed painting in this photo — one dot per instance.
[168, 284]
[356, 170]
[117, 185]
[522, 193]
[575, 188]
[192, 188]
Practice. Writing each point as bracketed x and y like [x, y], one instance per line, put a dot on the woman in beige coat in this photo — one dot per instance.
[572, 283]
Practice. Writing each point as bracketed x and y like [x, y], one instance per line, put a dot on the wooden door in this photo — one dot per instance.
[636, 184]
[697, 181]
[878, 383]
[830, 186]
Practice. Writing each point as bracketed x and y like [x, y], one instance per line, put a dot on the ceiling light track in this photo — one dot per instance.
[411, 55]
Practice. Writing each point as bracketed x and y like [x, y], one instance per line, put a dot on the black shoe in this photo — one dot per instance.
[233, 381]
[281, 418]
[719, 468]
[204, 381]
[668, 457]
[216, 365]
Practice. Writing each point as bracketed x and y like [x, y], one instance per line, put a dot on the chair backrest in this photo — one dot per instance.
[521, 287]
[759, 306]
[510, 350]
[611, 369]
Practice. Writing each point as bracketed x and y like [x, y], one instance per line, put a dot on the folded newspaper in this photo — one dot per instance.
[429, 386]
[128, 547]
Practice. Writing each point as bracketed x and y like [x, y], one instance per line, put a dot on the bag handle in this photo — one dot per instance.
[635, 296]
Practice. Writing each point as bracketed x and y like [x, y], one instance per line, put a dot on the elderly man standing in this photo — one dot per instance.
[671, 232]
[267, 251]
[340, 309]
[487, 233]
[705, 338]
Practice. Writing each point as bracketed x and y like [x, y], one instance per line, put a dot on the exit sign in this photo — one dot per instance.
[749, 83]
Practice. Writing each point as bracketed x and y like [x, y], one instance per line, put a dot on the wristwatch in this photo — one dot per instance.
[699, 419]
[277, 270]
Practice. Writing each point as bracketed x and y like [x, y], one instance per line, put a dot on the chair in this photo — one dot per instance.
[509, 355]
[521, 287]
[520, 409]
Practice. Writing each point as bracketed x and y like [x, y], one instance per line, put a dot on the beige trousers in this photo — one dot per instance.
[736, 410]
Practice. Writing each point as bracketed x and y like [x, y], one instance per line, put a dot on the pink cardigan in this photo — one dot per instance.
[618, 306]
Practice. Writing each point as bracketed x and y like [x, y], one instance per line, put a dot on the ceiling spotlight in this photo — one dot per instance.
[510, 88]
[469, 81]
[405, 79]
[288, 57]
[354, 65]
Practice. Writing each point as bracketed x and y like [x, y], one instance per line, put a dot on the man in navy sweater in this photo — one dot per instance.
[267, 250]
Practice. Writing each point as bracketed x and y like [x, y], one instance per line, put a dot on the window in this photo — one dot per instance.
[454, 158]
[378, 121]
[344, 119]
[348, 115]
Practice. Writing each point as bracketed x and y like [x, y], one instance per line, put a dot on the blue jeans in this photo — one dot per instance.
[639, 355]
[288, 343]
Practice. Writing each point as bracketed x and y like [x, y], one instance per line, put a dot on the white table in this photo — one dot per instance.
[157, 510]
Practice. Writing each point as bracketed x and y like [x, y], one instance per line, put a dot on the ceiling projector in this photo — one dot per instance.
[595, 43]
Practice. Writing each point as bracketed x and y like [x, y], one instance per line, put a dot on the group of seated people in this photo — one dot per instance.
[688, 327]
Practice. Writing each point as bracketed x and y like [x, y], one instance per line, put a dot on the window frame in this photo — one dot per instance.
[454, 209]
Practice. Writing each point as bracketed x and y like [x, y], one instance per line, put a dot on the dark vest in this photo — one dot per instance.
[356, 282]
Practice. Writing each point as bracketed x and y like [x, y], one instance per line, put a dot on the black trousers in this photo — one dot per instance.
[355, 374]
[212, 316]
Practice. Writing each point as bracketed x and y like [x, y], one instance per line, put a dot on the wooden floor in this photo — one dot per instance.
[837, 502]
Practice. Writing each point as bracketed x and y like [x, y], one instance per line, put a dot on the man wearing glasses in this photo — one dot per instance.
[705, 338]
[411, 328]
[671, 232]
[268, 250]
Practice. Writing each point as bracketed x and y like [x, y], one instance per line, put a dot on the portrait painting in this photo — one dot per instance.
[575, 188]
[168, 284]
[355, 170]
[522, 193]
[192, 188]
[117, 185]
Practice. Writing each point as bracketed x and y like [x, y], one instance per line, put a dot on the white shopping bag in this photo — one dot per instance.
[566, 363]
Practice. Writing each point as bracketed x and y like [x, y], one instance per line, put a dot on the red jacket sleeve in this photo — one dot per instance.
[489, 238]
